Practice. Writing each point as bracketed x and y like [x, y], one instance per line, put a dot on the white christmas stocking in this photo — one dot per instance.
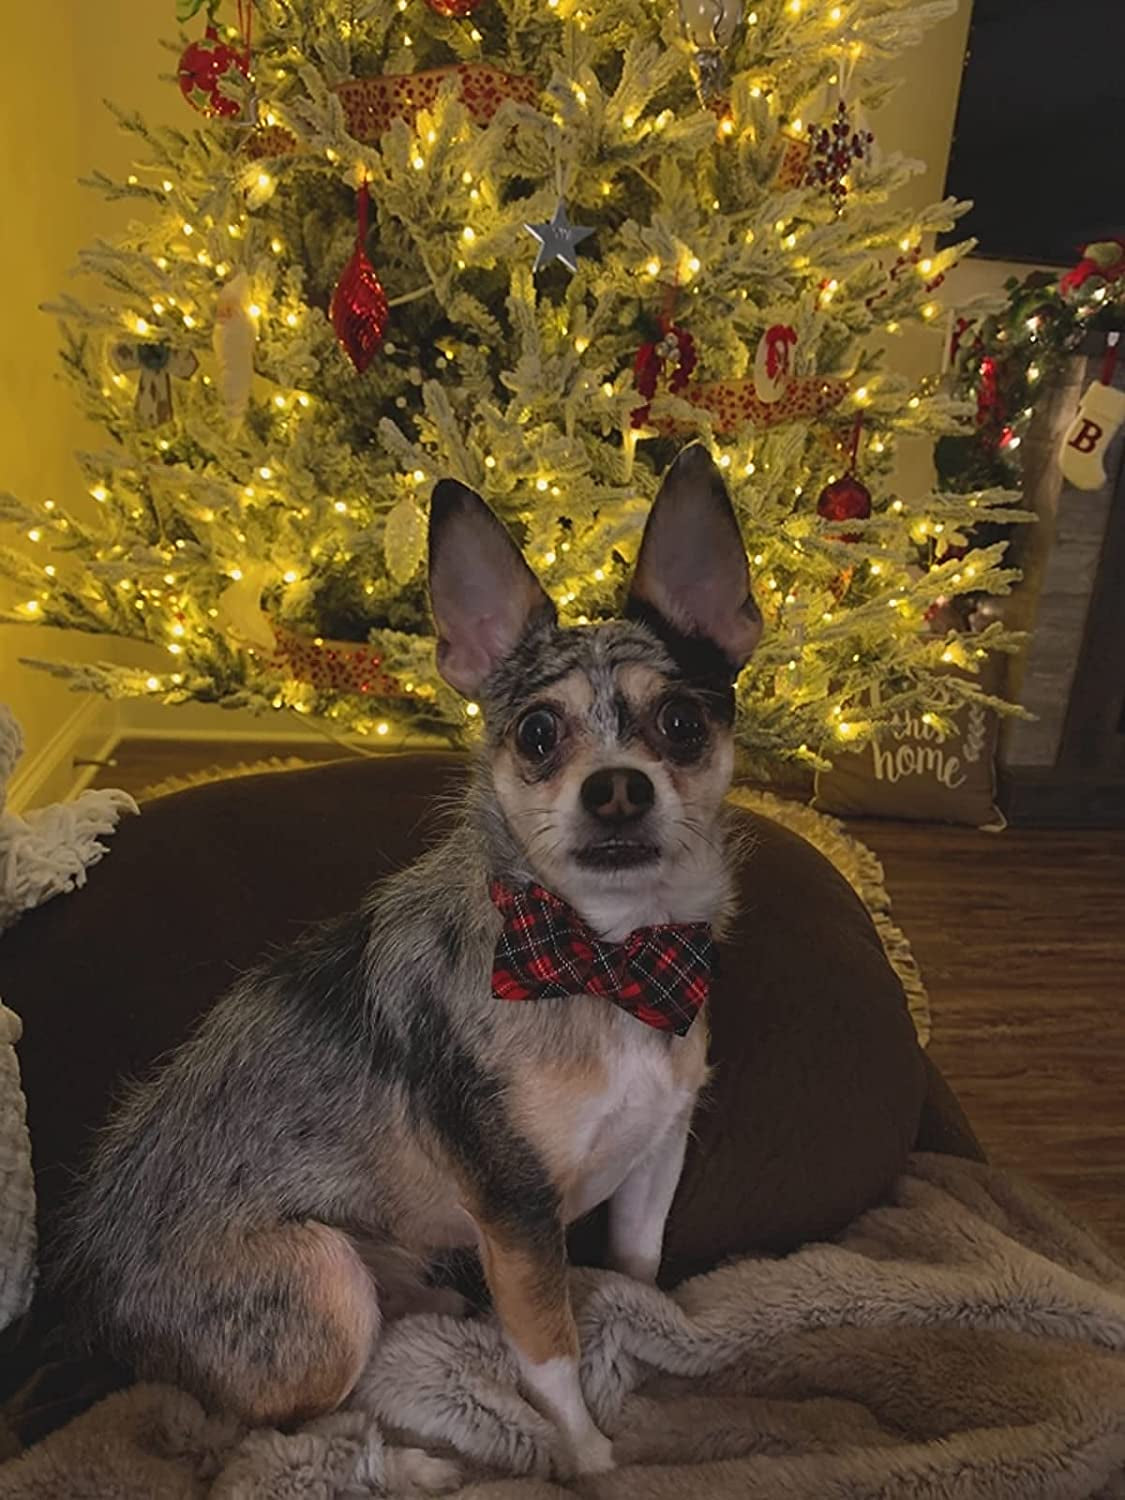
[1100, 414]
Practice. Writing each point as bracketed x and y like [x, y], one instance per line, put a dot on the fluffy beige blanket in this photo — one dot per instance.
[964, 1342]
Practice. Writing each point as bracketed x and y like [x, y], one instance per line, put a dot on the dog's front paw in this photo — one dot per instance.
[411, 1471]
[594, 1455]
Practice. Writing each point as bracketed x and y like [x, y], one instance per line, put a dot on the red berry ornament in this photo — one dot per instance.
[203, 67]
[845, 499]
[359, 303]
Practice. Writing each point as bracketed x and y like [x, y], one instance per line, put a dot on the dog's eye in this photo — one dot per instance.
[537, 733]
[681, 722]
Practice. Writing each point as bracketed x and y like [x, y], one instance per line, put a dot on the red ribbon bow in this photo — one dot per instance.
[661, 975]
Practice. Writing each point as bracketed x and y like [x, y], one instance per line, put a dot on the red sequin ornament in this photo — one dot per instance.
[203, 67]
[847, 499]
[454, 10]
[359, 303]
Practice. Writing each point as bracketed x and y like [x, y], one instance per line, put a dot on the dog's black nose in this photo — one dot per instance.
[618, 795]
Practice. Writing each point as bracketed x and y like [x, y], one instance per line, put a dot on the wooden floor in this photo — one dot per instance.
[1021, 939]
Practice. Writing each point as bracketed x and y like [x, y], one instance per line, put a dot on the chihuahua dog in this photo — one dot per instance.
[372, 1096]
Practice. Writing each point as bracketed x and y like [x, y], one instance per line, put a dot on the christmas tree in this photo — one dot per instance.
[535, 245]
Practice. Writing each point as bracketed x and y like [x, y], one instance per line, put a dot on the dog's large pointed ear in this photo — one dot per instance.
[482, 592]
[691, 570]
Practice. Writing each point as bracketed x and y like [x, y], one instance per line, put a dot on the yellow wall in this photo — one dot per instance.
[58, 63]
[918, 121]
[39, 130]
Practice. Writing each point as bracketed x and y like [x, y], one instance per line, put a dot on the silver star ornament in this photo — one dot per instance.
[558, 239]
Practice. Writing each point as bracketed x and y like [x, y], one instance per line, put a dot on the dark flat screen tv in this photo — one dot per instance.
[1039, 143]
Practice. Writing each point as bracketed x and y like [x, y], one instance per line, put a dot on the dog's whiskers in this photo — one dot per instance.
[696, 828]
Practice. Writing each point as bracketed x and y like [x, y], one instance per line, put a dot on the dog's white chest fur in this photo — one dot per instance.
[593, 1121]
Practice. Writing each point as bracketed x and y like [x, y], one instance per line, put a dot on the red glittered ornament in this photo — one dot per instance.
[454, 9]
[203, 67]
[846, 499]
[359, 304]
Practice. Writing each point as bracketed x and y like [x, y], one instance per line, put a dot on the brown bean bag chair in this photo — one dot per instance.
[820, 1089]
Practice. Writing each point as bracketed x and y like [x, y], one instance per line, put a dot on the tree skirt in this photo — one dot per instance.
[855, 862]
[964, 1340]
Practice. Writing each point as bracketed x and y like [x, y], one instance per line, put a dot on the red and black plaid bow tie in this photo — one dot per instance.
[661, 975]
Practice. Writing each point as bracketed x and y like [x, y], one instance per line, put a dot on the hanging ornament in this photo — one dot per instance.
[709, 27]
[847, 499]
[372, 105]
[157, 363]
[731, 404]
[359, 304]
[209, 63]
[674, 350]
[990, 404]
[404, 539]
[454, 10]
[1099, 418]
[558, 239]
[233, 339]
[773, 362]
[834, 147]
[239, 614]
[203, 68]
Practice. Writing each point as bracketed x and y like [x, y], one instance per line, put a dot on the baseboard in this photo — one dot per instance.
[51, 774]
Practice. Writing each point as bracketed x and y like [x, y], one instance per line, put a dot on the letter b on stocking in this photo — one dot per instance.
[1084, 447]
[1086, 439]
